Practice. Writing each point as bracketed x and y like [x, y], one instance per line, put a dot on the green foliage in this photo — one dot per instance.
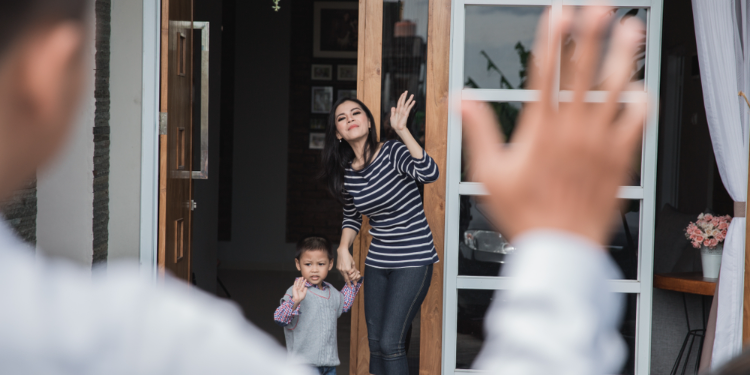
[505, 112]
[276, 6]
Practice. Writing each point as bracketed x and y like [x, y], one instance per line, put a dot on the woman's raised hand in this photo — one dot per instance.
[346, 265]
[400, 114]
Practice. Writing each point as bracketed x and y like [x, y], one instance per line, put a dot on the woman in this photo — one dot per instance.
[380, 181]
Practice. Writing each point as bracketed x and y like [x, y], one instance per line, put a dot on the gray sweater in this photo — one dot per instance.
[311, 336]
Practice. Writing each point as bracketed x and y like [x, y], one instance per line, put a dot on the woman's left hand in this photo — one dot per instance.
[400, 114]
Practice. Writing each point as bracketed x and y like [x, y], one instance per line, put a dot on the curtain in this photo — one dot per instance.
[721, 37]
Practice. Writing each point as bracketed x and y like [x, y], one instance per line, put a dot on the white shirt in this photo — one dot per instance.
[57, 319]
[558, 317]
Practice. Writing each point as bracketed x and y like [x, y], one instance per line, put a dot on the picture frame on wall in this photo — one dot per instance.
[346, 94]
[318, 124]
[322, 99]
[335, 29]
[321, 72]
[346, 72]
[317, 141]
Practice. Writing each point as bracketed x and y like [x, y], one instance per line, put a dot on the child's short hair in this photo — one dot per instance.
[311, 243]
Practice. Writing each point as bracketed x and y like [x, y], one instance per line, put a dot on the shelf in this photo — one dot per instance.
[685, 282]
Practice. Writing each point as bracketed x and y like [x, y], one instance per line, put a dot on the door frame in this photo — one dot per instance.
[149, 204]
[369, 65]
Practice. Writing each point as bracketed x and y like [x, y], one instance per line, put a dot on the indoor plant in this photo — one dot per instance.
[708, 234]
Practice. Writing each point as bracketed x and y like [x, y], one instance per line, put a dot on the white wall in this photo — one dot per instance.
[125, 129]
[65, 193]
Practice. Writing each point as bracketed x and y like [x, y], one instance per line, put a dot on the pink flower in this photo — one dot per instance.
[696, 244]
[713, 242]
[708, 217]
[723, 225]
[699, 238]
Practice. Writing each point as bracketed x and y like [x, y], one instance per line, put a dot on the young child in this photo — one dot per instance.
[310, 307]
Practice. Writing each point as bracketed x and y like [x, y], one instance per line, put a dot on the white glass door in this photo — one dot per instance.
[490, 49]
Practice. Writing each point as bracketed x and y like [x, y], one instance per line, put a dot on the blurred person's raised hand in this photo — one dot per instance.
[565, 164]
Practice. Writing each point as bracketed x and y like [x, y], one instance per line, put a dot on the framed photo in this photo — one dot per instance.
[346, 73]
[322, 99]
[335, 29]
[322, 72]
[318, 124]
[346, 94]
[317, 141]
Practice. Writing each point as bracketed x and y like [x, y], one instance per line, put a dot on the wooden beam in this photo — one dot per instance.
[369, 60]
[436, 145]
[163, 107]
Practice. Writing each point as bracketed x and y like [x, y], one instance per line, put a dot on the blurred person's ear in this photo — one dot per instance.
[41, 78]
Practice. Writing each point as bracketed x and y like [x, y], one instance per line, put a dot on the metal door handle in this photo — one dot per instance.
[202, 174]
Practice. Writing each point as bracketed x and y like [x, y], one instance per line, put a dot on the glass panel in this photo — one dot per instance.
[404, 61]
[472, 309]
[508, 113]
[498, 45]
[403, 69]
[482, 249]
[571, 55]
[507, 116]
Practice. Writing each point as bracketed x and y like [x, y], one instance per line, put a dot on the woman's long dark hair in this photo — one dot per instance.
[337, 156]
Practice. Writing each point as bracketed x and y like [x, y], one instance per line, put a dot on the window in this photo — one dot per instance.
[490, 50]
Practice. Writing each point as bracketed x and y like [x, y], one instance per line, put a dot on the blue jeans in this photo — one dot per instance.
[392, 299]
[327, 370]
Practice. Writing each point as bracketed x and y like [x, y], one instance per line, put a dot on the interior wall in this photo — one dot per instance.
[125, 129]
[261, 79]
[206, 192]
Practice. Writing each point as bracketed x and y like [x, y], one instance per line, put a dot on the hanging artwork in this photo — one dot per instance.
[335, 29]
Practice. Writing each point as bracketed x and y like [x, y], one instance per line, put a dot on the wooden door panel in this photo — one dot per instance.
[175, 162]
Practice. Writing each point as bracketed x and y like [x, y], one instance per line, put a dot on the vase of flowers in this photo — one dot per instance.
[708, 234]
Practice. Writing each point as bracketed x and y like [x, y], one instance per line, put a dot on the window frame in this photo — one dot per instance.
[645, 193]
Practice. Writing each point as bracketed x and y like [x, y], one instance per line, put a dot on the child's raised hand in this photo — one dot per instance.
[299, 291]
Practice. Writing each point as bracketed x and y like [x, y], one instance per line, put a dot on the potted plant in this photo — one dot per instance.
[708, 234]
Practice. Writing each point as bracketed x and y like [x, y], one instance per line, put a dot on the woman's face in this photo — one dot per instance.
[352, 123]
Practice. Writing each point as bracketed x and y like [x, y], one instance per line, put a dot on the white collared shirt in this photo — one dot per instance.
[558, 317]
[55, 318]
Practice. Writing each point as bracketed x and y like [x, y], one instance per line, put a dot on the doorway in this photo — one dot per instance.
[272, 80]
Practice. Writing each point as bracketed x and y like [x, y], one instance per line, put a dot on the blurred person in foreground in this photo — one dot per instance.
[552, 193]
[53, 318]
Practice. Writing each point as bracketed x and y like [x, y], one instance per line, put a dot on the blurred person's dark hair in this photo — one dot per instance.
[20, 16]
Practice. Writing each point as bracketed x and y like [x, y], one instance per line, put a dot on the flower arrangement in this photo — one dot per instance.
[708, 230]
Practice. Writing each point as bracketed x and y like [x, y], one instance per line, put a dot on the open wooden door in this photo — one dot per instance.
[175, 128]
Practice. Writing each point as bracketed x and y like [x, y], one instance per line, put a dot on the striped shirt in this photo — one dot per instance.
[386, 191]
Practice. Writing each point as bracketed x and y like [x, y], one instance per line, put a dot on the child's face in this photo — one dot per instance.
[314, 265]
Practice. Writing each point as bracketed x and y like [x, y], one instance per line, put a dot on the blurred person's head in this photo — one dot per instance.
[41, 77]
